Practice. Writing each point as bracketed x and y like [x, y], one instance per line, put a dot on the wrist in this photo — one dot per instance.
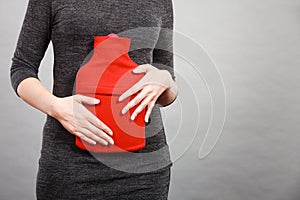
[168, 78]
[53, 109]
[171, 91]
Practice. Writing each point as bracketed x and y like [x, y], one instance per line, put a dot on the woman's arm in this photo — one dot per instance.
[163, 54]
[69, 111]
[158, 85]
[35, 94]
[32, 43]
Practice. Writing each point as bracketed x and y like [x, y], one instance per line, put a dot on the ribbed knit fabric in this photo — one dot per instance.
[65, 171]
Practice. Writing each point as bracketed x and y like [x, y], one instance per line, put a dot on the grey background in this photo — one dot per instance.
[255, 45]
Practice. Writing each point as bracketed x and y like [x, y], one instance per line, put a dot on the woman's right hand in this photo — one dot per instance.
[78, 120]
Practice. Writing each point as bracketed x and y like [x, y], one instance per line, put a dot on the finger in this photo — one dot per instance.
[136, 87]
[142, 68]
[142, 106]
[84, 138]
[149, 110]
[100, 133]
[104, 136]
[86, 99]
[87, 133]
[136, 100]
[99, 124]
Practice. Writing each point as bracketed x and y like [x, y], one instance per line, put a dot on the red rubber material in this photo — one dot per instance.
[106, 76]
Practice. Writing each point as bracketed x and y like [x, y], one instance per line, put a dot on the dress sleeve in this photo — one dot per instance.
[163, 57]
[32, 43]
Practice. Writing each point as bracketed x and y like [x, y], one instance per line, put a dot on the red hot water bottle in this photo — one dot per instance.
[106, 76]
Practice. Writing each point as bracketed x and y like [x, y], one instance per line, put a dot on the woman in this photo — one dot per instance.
[65, 171]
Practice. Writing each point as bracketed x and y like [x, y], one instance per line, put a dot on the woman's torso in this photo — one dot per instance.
[74, 25]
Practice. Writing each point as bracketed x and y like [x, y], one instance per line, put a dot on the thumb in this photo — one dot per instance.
[142, 68]
[86, 99]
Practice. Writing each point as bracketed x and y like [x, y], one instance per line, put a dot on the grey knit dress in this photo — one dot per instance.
[65, 171]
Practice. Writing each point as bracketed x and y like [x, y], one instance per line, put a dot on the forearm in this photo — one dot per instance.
[35, 94]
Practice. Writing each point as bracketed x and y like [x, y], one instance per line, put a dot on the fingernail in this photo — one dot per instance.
[94, 143]
[146, 119]
[105, 143]
[111, 141]
[96, 101]
[110, 132]
[124, 111]
[120, 98]
[132, 117]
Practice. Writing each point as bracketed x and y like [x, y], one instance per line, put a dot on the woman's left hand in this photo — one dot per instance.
[150, 87]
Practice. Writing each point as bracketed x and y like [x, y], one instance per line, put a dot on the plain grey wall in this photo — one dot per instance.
[256, 46]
